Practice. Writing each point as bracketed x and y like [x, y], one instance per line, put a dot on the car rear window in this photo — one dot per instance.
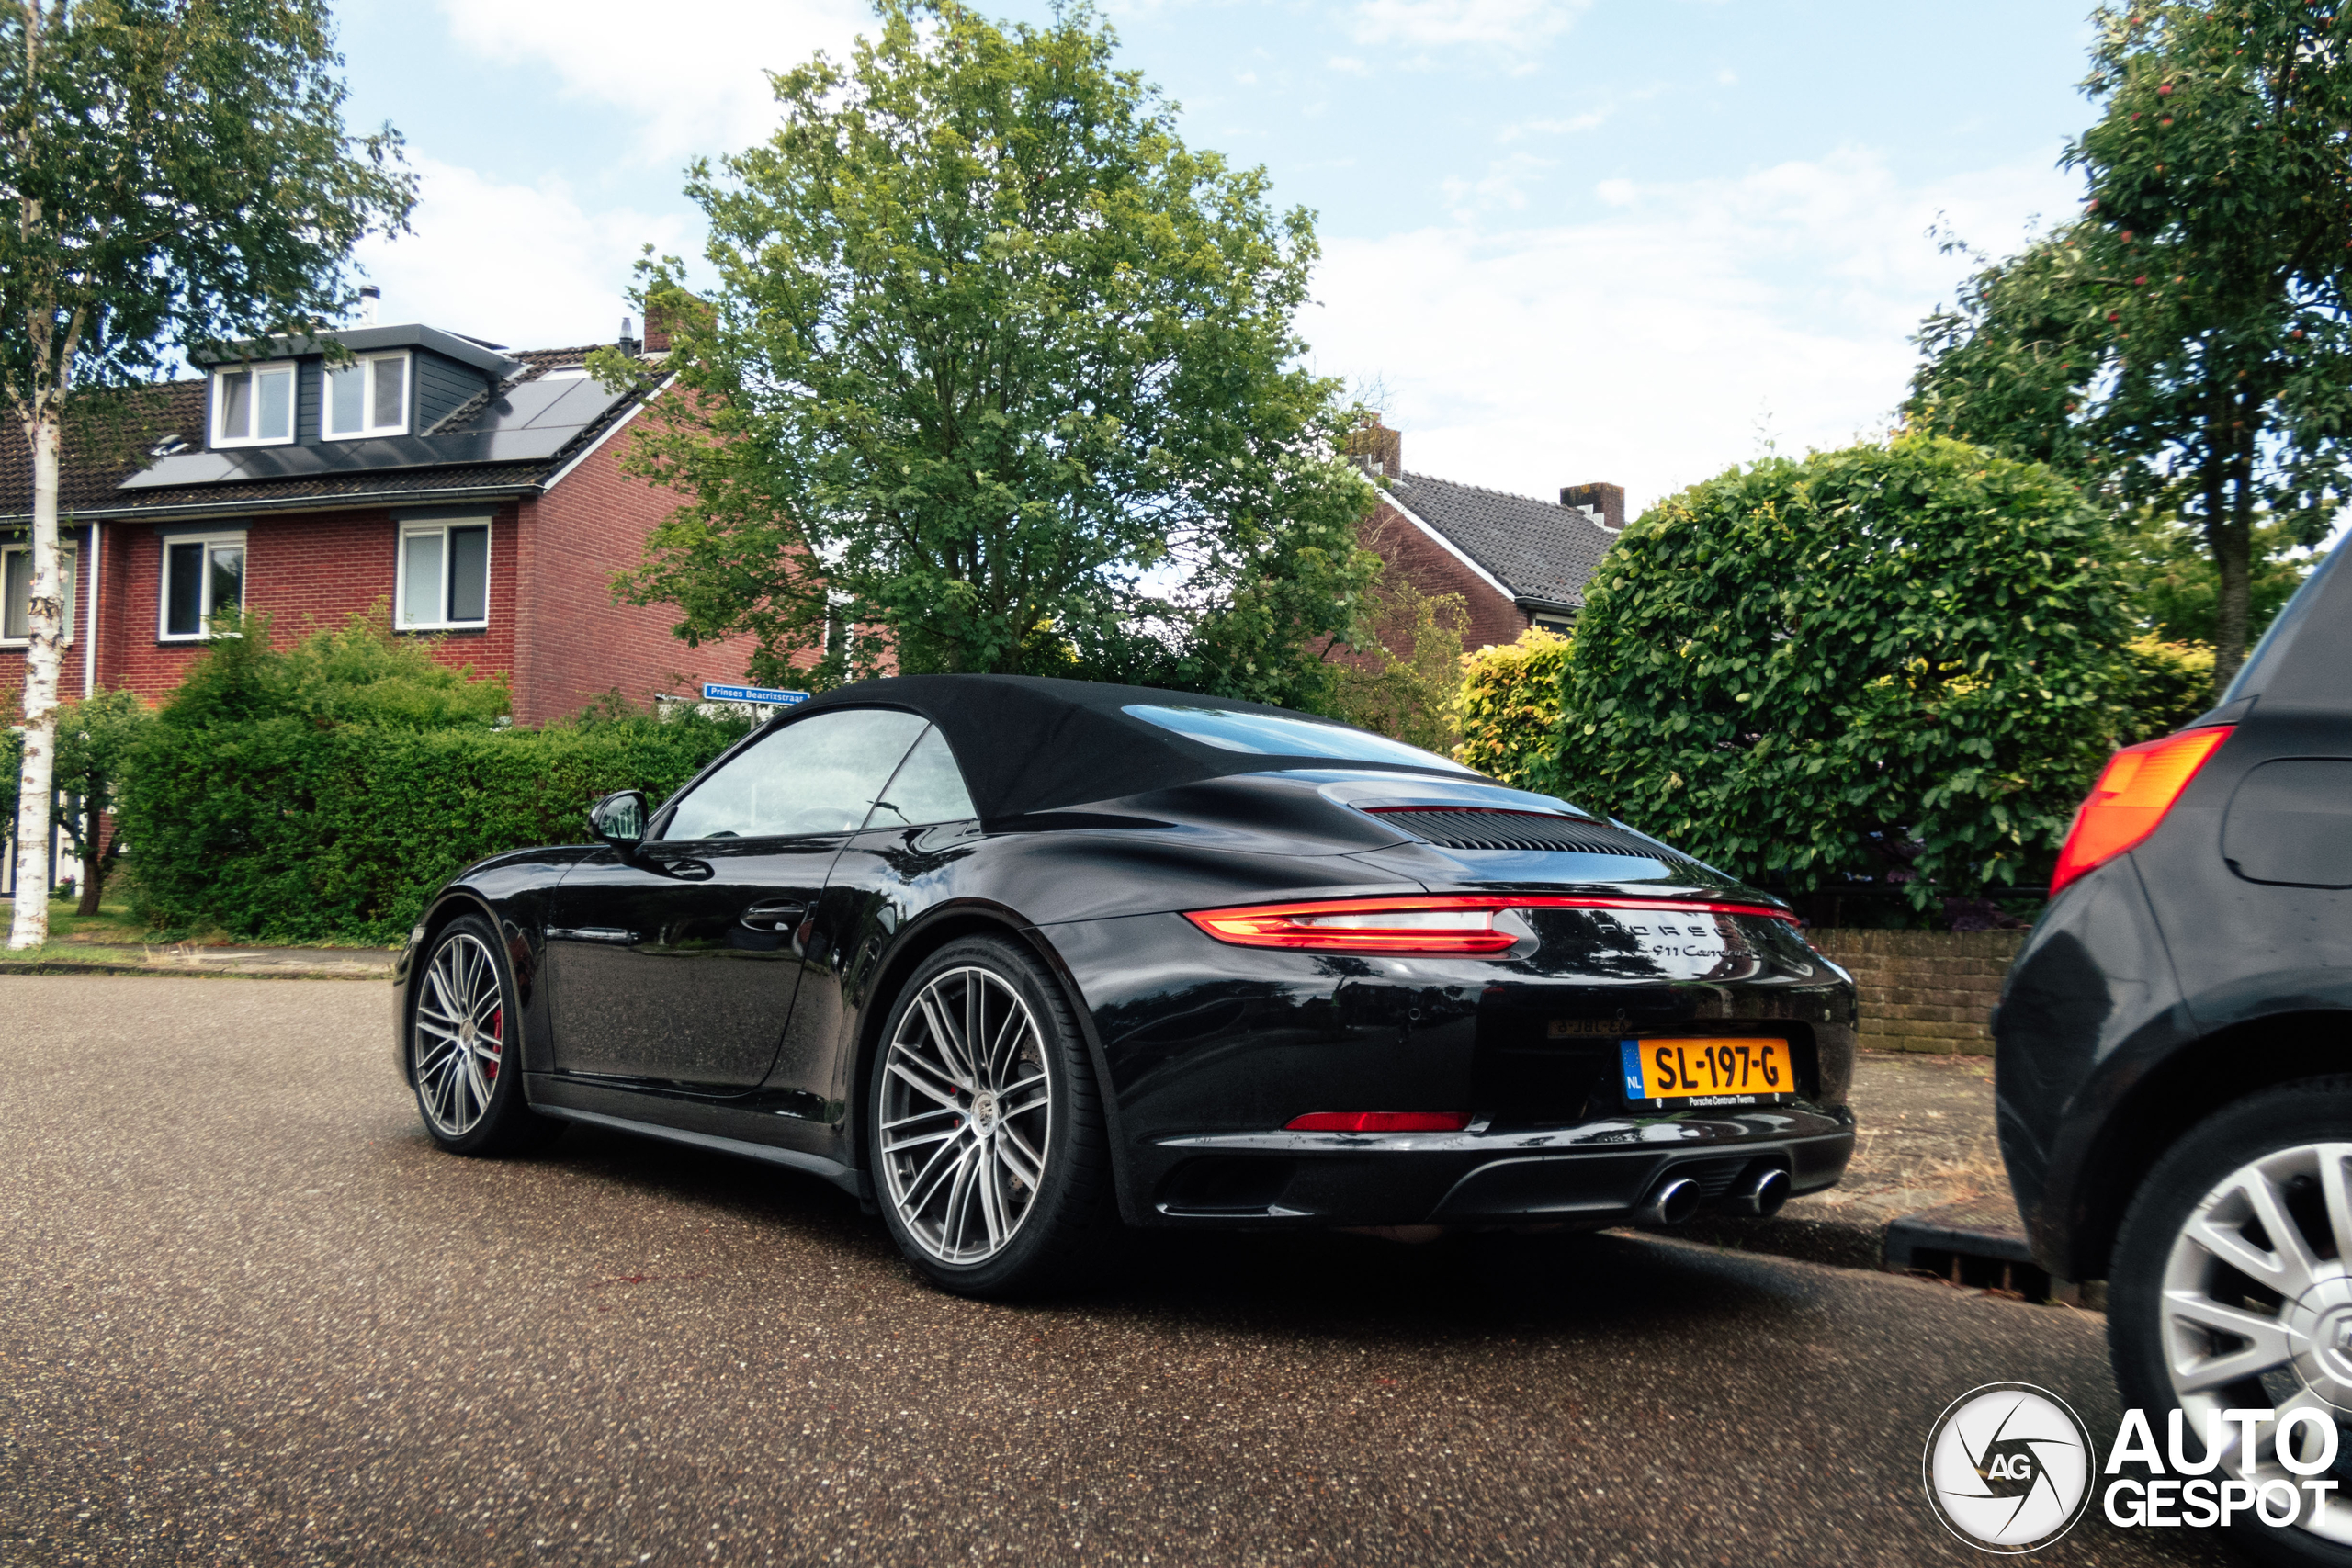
[2270, 654]
[1272, 735]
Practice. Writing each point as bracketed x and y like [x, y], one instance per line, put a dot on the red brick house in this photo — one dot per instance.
[474, 491]
[1517, 561]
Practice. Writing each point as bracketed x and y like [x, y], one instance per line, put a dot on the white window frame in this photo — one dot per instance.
[440, 526]
[204, 605]
[72, 570]
[293, 402]
[365, 364]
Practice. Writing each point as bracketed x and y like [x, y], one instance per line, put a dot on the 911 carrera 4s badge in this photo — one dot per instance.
[1673, 1074]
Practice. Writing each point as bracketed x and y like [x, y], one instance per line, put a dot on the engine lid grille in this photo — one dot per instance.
[1478, 828]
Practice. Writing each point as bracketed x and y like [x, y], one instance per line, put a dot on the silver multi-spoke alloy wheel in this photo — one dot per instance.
[460, 1034]
[2256, 1309]
[968, 1115]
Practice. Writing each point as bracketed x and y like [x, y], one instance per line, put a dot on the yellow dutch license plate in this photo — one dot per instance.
[1733, 1071]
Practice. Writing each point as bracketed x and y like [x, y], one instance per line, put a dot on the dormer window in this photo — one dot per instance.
[367, 396]
[253, 405]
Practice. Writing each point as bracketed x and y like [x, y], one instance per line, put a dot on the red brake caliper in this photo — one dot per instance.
[497, 1034]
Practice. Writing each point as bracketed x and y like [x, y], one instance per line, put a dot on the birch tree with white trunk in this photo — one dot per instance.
[177, 176]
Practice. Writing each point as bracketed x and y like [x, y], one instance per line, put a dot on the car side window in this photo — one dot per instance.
[820, 775]
[928, 788]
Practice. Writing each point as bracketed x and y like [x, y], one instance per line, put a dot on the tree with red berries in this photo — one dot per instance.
[2185, 345]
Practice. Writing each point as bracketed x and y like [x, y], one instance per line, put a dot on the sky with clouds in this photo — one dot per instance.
[1566, 240]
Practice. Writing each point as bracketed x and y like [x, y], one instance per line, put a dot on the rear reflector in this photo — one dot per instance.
[1379, 1122]
[1432, 924]
[2131, 798]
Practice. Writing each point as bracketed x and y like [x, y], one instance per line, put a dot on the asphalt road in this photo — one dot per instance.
[249, 1315]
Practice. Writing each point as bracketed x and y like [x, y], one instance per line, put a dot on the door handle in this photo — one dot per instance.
[776, 916]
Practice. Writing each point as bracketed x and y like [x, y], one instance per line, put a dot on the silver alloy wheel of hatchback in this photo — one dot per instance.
[2257, 1296]
[460, 1035]
[967, 1124]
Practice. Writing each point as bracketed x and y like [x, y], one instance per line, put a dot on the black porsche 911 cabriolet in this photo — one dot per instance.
[1013, 958]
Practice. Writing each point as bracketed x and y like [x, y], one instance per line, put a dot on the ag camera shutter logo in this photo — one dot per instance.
[2008, 1468]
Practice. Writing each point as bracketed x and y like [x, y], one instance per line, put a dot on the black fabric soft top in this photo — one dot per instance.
[1029, 743]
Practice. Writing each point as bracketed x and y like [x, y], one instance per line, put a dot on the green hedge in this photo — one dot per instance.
[320, 792]
[1509, 708]
[281, 831]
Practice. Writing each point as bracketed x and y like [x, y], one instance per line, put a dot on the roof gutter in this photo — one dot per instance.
[273, 504]
[1562, 606]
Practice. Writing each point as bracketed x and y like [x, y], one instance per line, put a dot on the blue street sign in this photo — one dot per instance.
[717, 693]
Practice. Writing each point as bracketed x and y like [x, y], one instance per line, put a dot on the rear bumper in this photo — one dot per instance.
[1597, 1174]
[1207, 1050]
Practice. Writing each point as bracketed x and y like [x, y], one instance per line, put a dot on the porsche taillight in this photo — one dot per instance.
[2138, 786]
[1441, 924]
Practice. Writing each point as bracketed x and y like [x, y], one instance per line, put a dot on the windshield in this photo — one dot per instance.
[1275, 734]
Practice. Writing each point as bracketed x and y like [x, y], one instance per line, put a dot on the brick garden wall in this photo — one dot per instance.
[1923, 990]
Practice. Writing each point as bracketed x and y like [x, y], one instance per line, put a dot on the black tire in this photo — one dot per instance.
[1063, 1212]
[2290, 1116]
[464, 979]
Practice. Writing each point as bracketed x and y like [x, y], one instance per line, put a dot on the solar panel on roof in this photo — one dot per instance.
[537, 418]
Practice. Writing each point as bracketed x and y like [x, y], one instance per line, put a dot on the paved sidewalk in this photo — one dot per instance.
[271, 963]
[1926, 1141]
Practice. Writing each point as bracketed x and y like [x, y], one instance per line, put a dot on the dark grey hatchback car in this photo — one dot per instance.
[2175, 1070]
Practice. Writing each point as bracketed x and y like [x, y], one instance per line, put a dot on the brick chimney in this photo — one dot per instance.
[657, 330]
[1378, 450]
[1604, 503]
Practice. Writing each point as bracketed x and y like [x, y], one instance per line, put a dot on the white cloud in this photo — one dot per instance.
[1618, 193]
[1643, 344]
[520, 264]
[1348, 65]
[1517, 23]
[690, 98]
[1503, 186]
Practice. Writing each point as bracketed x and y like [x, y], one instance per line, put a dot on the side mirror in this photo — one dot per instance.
[619, 819]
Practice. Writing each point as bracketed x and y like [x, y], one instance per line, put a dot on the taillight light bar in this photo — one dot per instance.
[1439, 924]
[2137, 787]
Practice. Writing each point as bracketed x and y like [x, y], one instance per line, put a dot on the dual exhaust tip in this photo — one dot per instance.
[1758, 1193]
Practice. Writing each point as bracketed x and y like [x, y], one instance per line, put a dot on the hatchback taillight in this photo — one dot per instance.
[2131, 798]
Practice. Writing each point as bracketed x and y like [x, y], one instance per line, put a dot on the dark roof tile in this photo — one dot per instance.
[1536, 549]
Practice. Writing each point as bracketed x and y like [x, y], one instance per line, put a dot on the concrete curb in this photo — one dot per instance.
[185, 971]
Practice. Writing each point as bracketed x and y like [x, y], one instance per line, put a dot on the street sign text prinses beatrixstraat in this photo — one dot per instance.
[716, 694]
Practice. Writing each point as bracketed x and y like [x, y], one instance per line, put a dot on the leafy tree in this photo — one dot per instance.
[1406, 683]
[2175, 590]
[1895, 662]
[1509, 708]
[97, 737]
[995, 363]
[2185, 343]
[177, 173]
